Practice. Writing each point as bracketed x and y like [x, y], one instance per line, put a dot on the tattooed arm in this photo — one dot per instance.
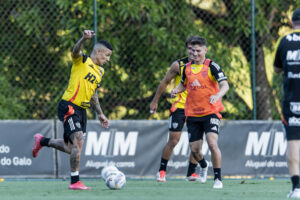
[96, 106]
[87, 34]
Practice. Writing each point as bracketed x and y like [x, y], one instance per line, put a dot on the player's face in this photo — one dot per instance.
[189, 51]
[198, 52]
[103, 56]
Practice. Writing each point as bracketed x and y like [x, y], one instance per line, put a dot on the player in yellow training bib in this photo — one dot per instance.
[85, 78]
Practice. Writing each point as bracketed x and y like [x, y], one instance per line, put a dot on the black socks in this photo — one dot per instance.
[163, 164]
[217, 173]
[45, 141]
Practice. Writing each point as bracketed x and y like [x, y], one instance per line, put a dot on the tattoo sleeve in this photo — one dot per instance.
[95, 103]
[77, 48]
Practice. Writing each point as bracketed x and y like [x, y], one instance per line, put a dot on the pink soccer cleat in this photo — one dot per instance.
[193, 177]
[37, 146]
[78, 186]
[161, 176]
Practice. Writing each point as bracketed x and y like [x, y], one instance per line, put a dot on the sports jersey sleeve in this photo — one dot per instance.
[217, 72]
[80, 59]
[277, 59]
[183, 76]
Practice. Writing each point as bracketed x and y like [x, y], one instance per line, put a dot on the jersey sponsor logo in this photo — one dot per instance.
[295, 107]
[215, 121]
[196, 85]
[294, 121]
[221, 75]
[292, 75]
[293, 55]
[216, 65]
[199, 109]
[293, 37]
[90, 77]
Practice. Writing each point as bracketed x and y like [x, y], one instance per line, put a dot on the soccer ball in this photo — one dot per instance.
[116, 181]
[108, 170]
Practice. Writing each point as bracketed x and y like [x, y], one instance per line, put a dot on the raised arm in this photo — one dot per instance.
[173, 71]
[96, 106]
[87, 34]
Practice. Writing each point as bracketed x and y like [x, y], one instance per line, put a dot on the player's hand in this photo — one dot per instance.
[88, 34]
[174, 93]
[153, 107]
[104, 121]
[214, 98]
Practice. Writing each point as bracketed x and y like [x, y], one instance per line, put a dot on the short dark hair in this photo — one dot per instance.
[106, 44]
[199, 40]
[190, 39]
[296, 17]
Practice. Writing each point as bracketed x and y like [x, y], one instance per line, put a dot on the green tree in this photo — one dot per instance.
[37, 37]
[231, 19]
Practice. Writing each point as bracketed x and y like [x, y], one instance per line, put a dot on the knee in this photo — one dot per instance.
[173, 142]
[213, 146]
[194, 149]
[291, 158]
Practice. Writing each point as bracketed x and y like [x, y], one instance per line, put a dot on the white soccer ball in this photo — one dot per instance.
[108, 170]
[116, 181]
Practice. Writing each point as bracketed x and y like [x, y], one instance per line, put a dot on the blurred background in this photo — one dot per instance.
[147, 35]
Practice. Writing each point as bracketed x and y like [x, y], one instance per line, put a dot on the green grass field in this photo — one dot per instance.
[258, 189]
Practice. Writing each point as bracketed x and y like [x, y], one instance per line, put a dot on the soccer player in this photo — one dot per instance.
[85, 78]
[177, 120]
[287, 60]
[202, 78]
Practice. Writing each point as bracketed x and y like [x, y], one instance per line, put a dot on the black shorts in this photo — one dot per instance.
[73, 117]
[197, 126]
[177, 120]
[291, 127]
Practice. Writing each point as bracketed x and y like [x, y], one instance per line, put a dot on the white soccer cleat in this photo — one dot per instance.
[218, 184]
[295, 194]
[203, 173]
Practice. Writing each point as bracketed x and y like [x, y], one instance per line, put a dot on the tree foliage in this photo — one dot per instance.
[147, 35]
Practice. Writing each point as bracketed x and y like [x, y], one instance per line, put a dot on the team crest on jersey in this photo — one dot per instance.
[204, 73]
[175, 124]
